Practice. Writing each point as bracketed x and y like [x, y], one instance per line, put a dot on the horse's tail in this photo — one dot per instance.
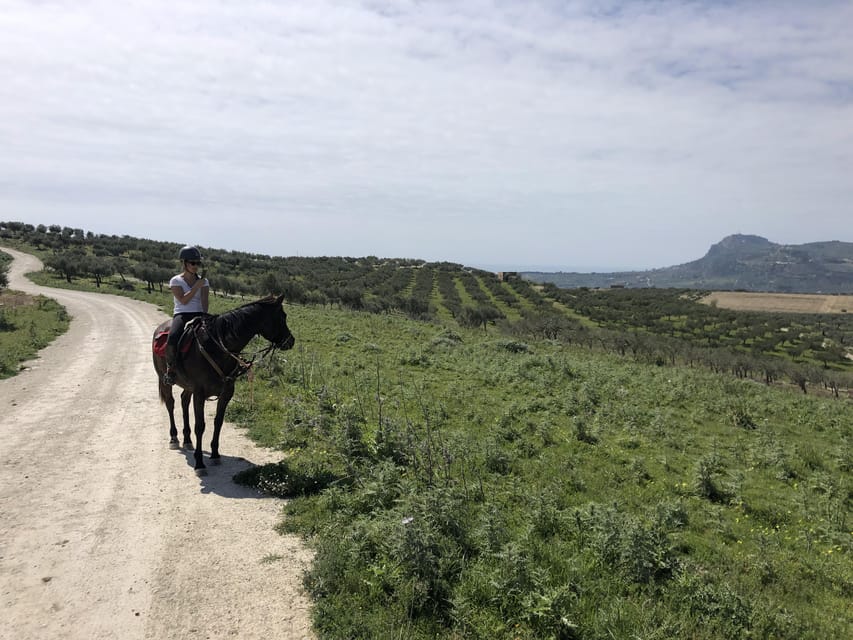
[164, 389]
[165, 393]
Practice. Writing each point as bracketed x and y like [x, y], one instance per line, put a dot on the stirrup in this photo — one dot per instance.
[169, 377]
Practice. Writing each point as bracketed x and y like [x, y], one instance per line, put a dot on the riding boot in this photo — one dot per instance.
[171, 359]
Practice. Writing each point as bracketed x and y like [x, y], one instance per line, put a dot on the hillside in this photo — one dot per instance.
[653, 324]
[747, 262]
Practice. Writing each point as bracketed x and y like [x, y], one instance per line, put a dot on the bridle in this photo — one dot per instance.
[243, 365]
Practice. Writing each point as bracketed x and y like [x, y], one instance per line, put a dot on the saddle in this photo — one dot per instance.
[186, 340]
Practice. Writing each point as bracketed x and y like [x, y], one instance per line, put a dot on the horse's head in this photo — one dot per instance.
[274, 327]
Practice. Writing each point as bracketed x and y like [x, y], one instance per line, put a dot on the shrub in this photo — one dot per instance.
[283, 480]
[717, 605]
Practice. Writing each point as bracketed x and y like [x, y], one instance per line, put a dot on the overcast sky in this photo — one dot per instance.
[587, 134]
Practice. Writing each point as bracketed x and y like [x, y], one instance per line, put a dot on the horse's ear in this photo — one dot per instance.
[280, 299]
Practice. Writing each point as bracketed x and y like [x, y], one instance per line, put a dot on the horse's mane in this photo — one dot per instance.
[236, 316]
[269, 299]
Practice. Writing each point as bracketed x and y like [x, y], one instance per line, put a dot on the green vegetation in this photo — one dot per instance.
[5, 259]
[670, 325]
[457, 483]
[27, 324]
[578, 465]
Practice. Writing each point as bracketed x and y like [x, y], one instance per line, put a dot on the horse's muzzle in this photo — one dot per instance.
[287, 343]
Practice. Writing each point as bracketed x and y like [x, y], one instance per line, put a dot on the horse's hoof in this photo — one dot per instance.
[174, 445]
[187, 445]
[201, 472]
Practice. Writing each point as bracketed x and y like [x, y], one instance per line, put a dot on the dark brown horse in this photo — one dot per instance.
[213, 362]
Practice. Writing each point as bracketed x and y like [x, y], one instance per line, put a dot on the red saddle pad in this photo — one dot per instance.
[160, 340]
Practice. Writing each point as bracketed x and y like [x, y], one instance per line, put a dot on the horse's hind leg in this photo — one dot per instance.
[169, 401]
[219, 418]
[186, 396]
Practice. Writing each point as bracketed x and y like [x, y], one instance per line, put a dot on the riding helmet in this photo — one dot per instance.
[190, 253]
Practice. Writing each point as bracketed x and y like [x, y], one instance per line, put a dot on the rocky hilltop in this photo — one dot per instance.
[737, 262]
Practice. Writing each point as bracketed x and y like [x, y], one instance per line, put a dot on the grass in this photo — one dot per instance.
[460, 484]
[27, 325]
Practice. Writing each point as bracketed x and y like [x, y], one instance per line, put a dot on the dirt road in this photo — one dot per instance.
[107, 533]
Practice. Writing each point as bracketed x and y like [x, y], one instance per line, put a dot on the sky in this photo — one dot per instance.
[508, 135]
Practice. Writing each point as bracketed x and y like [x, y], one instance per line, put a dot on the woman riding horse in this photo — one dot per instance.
[191, 292]
[213, 361]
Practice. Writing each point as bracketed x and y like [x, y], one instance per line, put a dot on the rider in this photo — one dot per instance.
[191, 291]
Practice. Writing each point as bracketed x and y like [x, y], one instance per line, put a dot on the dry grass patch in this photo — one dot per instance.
[14, 299]
[780, 302]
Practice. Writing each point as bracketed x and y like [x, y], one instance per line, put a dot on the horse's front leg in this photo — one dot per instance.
[198, 407]
[186, 396]
[224, 398]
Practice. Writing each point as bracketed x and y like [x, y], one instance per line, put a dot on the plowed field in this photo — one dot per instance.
[781, 302]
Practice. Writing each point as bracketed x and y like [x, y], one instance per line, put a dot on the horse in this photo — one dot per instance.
[212, 362]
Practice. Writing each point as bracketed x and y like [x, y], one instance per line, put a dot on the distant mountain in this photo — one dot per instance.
[747, 262]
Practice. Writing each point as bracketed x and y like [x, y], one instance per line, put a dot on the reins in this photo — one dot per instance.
[243, 365]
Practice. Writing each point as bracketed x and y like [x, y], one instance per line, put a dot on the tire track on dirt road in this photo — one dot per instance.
[104, 531]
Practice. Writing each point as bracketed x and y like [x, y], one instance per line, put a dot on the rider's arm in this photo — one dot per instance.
[184, 298]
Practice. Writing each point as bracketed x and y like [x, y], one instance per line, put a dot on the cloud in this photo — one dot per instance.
[587, 132]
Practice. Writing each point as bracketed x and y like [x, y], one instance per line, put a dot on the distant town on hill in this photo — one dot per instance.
[738, 262]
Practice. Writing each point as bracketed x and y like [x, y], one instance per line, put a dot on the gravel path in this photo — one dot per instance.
[107, 533]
